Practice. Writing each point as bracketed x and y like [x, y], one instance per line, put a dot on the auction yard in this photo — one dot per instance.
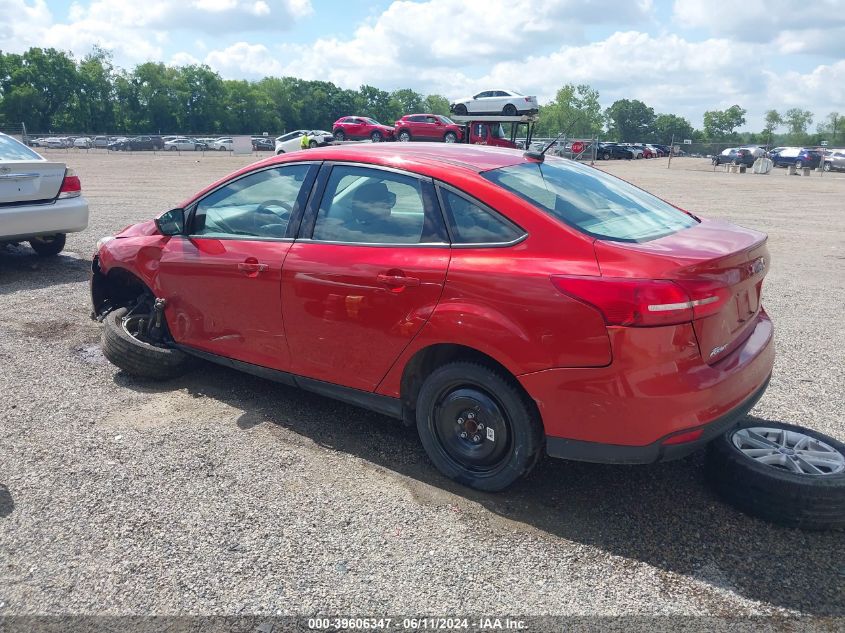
[224, 493]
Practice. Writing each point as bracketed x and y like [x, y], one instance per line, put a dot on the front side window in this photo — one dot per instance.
[370, 206]
[591, 201]
[258, 205]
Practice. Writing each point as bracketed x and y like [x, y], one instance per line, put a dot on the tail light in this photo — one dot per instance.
[71, 185]
[645, 302]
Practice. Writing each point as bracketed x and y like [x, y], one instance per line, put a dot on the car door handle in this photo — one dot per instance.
[398, 280]
[253, 267]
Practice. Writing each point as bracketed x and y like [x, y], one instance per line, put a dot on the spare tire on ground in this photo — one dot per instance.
[782, 473]
[138, 357]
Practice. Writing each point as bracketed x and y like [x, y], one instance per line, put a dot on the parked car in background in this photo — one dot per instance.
[183, 144]
[775, 150]
[292, 141]
[222, 144]
[835, 160]
[798, 156]
[428, 127]
[493, 102]
[143, 143]
[101, 141]
[607, 151]
[117, 144]
[507, 297]
[263, 144]
[757, 152]
[40, 200]
[53, 142]
[83, 142]
[360, 128]
[656, 150]
[636, 150]
[734, 156]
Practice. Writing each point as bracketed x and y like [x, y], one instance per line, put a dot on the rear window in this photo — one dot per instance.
[591, 201]
[10, 149]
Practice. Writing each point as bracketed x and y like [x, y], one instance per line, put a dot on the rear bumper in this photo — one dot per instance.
[656, 451]
[61, 216]
[656, 387]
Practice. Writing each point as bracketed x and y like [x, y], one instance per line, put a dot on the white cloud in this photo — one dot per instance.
[245, 60]
[810, 27]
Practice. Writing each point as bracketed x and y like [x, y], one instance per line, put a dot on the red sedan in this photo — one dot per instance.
[502, 303]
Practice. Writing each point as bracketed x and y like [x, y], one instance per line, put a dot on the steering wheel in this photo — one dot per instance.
[269, 223]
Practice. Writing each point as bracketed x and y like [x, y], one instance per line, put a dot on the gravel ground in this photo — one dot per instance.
[222, 493]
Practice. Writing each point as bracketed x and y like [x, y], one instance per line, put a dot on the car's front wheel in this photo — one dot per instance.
[780, 472]
[477, 426]
[827, 167]
[339, 135]
[450, 137]
[460, 109]
[127, 343]
[606, 156]
[404, 136]
[48, 245]
[375, 137]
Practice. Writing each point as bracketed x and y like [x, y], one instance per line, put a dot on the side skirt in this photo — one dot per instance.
[375, 402]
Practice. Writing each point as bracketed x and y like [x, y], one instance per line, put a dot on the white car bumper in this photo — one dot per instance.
[20, 222]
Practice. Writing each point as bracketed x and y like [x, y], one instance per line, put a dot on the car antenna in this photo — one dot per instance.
[541, 155]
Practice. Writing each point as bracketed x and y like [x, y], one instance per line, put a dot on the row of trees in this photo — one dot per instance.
[50, 91]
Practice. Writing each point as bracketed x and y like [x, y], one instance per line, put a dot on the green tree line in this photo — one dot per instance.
[50, 91]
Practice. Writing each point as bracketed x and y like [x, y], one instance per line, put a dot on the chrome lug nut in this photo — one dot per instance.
[471, 415]
[476, 438]
[464, 434]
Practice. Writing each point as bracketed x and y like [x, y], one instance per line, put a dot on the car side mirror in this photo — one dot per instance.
[171, 222]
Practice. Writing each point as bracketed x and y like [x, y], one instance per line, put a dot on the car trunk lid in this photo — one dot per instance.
[30, 181]
[721, 266]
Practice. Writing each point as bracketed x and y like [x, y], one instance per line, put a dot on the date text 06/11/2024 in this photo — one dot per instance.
[417, 624]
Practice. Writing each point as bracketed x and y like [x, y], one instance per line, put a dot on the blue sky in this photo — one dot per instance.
[678, 56]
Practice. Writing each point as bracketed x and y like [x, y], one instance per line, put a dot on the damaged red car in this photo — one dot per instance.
[504, 303]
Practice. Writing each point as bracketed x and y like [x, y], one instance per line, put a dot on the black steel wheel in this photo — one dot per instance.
[48, 245]
[477, 426]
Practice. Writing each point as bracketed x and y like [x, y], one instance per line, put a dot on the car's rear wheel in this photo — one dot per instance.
[339, 135]
[827, 167]
[782, 473]
[127, 344]
[312, 144]
[450, 137]
[48, 245]
[460, 109]
[798, 164]
[375, 137]
[509, 110]
[606, 156]
[404, 136]
[478, 427]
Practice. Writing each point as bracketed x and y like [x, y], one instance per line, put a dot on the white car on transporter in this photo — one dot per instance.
[40, 200]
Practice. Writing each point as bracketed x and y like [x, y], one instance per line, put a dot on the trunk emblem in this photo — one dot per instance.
[718, 350]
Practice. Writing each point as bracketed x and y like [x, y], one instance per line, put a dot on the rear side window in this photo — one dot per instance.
[10, 149]
[591, 201]
[472, 223]
[372, 206]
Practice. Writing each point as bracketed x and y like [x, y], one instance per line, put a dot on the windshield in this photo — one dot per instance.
[372, 121]
[591, 201]
[445, 119]
[497, 131]
[10, 149]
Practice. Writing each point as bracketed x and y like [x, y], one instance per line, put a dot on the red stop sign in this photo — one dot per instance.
[577, 147]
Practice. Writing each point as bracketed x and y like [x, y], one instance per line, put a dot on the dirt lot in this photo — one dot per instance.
[224, 493]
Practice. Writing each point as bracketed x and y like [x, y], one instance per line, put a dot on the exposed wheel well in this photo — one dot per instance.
[116, 289]
[425, 361]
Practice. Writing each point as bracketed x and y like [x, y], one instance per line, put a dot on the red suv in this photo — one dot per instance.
[503, 303]
[428, 127]
[361, 128]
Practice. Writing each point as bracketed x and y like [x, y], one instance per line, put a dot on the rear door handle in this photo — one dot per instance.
[398, 280]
